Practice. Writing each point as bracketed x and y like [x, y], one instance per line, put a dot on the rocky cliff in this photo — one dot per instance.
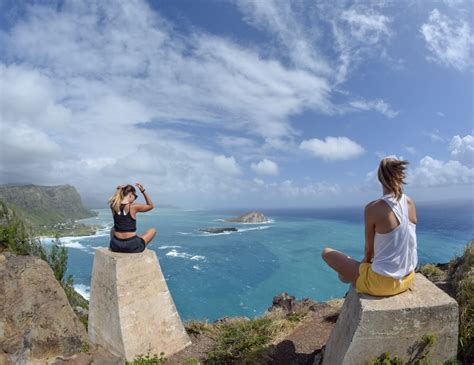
[45, 205]
[36, 320]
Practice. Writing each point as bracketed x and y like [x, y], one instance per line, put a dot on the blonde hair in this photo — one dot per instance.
[391, 175]
[116, 199]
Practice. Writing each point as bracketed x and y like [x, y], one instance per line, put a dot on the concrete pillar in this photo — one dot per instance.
[131, 311]
[369, 326]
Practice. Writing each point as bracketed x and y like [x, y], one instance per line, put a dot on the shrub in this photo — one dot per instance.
[461, 273]
[148, 359]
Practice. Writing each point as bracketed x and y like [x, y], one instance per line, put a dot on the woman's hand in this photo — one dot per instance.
[366, 259]
[140, 186]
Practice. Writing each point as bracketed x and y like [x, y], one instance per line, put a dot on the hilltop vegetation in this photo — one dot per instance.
[16, 236]
[48, 209]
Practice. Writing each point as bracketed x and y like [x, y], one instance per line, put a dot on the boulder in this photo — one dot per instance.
[283, 301]
[369, 326]
[131, 311]
[36, 321]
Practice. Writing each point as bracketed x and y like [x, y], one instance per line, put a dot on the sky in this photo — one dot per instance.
[238, 103]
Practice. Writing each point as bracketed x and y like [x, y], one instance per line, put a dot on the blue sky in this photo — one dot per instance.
[238, 103]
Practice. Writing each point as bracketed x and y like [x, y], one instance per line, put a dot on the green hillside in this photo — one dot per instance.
[45, 206]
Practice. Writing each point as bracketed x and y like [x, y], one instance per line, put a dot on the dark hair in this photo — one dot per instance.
[129, 189]
[391, 175]
[120, 193]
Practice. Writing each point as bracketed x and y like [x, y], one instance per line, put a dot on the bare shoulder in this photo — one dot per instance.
[410, 201]
[374, 207]
[411, 210]
[374, 204]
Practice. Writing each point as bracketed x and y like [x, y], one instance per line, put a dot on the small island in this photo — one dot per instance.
[250, 217]
[216, 230]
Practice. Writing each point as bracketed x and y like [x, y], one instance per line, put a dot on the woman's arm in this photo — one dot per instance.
[143, 207]
[369, 234]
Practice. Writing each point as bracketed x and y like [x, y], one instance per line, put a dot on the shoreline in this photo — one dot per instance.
[100, 228]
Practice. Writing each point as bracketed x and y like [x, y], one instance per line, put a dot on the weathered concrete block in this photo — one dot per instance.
[131, 311]
[369, 326]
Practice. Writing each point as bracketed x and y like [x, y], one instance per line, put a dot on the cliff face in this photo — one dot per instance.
[43, 205]
[36, 319]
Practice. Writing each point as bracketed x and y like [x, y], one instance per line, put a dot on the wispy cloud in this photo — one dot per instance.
[449, 41]
[378, 105]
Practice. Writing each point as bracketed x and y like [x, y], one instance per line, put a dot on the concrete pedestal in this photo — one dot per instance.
[131, 311]
[369, 326]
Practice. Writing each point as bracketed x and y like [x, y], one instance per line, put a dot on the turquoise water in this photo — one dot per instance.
[211, 276]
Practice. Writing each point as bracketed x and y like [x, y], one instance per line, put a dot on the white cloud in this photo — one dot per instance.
[462, 149]
[29, 98]
[367, 26]
[449, 41]
[410, 149]
[333, 148]
[434, 136]
[432, 172]
[265, 167]
[227, 165]
[377, 105]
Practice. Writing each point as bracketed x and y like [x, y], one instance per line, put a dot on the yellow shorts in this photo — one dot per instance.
[370, 282]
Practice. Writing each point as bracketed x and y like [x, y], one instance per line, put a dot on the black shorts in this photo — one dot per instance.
[129, 245]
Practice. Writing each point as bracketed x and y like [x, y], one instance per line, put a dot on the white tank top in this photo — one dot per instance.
[395, 252]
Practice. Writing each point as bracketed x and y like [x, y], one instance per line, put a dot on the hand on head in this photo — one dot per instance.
[140, 186]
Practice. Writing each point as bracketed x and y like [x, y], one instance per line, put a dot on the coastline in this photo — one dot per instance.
[96, 228]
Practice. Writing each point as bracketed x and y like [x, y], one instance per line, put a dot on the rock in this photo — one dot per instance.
[230, 319]
[250, 217]
[36, 321]
[131, 311]
[283, 301]
[318, 358]
[215, 230]
[369, 326]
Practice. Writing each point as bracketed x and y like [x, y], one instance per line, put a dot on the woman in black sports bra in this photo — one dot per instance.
[123, 237]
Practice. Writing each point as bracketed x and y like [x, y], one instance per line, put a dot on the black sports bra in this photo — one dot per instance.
[124, 222]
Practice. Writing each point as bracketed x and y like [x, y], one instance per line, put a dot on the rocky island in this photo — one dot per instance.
[250, 217]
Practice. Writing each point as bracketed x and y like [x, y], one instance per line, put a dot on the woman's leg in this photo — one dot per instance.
[346, 266]
[148, 235]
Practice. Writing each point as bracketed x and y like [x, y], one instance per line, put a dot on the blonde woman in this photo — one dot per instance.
[390, 239]
[123, 237]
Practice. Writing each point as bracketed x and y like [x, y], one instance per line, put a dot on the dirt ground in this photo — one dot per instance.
[299, 347]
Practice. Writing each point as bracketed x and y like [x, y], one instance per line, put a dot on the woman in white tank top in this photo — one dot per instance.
[390, 259]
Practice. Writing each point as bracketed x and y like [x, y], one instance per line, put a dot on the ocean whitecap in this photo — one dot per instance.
[184, 255]
[83, 289]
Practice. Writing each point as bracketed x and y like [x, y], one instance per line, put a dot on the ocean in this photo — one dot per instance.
[238, 273]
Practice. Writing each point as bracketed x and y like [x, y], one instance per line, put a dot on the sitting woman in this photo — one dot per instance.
[122, 236]
[390, 239]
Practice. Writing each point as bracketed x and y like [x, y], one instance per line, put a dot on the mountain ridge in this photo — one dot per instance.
[46, 205]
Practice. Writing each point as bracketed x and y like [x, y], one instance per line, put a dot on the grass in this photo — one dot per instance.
[432, 272]
[148, 359]
[418, 355]
[461, 273]
[243, 340]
